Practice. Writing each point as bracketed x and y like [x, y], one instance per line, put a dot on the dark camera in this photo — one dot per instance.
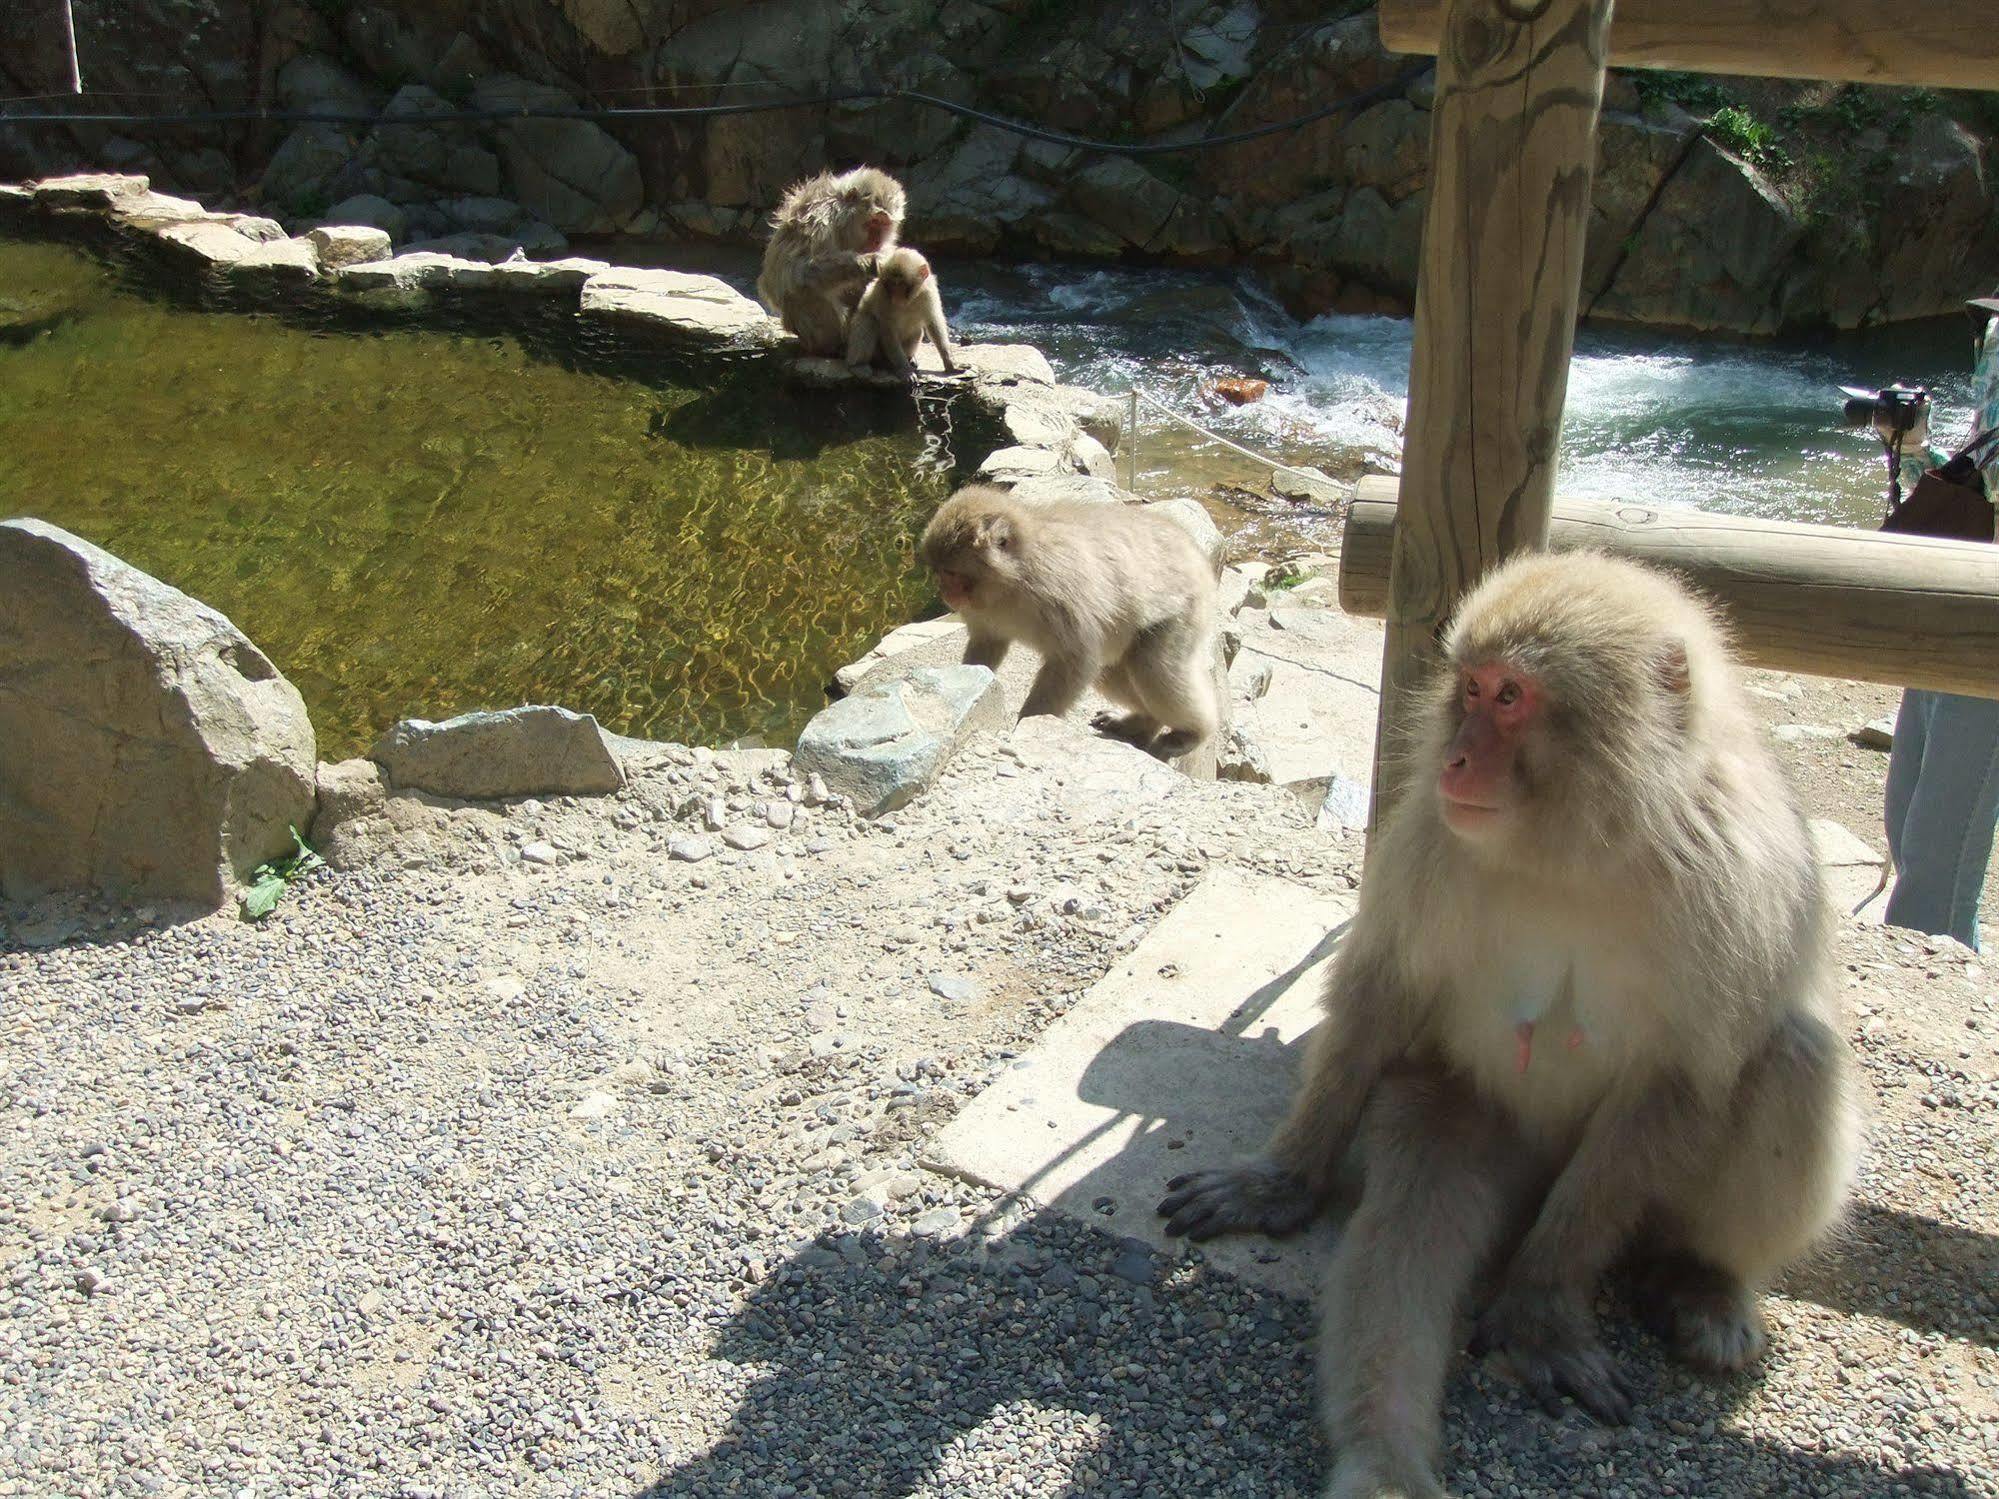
[1894, 411]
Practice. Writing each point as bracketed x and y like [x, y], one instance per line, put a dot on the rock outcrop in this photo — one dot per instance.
[1790, 208]
[528, 751]
[147, 748]
[886, 743]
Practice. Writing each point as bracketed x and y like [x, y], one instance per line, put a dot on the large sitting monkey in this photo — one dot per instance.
[1580, 1016]
[827, 239]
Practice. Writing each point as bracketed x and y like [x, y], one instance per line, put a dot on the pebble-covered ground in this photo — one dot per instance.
[572, 1151]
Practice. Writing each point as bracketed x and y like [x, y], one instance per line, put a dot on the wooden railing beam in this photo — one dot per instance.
[1863, 605]
[1930, 44]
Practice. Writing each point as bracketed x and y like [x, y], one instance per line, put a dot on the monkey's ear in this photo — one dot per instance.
[996, 531]
[922, 274]
[1673, 672]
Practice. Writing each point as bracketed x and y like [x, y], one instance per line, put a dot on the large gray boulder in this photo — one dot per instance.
[1717, 239]
[887, 742]
[569, 173]
[147, 748]
[530, 751]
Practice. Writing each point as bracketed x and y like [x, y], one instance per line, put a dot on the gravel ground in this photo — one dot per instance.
[535, 1157]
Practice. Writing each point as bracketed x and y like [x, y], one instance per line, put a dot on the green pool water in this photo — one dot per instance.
[425, 518]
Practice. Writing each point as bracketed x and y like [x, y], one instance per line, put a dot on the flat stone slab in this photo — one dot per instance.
[209, 242]
[537, 750]
[884, 744]
[421, 270]
[1182, 1056]
[1305, 689]
[682, 300]
[88, 189]
[342, 245]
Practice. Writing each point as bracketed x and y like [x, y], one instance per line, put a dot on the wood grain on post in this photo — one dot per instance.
[1932, 44]
[1905, 610]
[1512, 150]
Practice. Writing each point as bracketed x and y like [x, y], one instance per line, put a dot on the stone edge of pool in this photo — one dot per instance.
[1055, 441]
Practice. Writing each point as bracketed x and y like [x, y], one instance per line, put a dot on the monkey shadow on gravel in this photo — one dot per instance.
[876, 1353]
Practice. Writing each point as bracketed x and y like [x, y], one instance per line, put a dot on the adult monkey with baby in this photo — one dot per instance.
[1110, 595]
[827, 240]
[1580, 1016]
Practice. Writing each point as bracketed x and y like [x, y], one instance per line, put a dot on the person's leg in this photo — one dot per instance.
[1946, 839]
[1905, 768]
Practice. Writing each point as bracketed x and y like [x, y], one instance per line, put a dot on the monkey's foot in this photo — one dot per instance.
[1175, 742]
[1256, 1197]
[1702, 1312]
[1132, 728]
[1552, 1351]
[1366, 1476]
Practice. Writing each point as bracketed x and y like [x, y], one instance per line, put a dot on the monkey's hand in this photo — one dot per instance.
[1548, 1339]
[1255, 1197]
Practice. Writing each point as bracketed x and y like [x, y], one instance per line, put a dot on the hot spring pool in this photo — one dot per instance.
[426, 518]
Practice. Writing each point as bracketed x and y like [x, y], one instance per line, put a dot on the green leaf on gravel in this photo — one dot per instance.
[271, 880]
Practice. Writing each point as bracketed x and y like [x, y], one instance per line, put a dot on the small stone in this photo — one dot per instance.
[540, 853]
[862, 1209]
[815, 790]
[952, 986]
[92, 1282]
[689, 850]
[746, 838]
[1136, 1264]
[124, 1210]
[780, 814]
[594, 1106]
[1019, 895]
[937, 1221]
[1803, 733]
[506, 988]
[714, 812]
[1877, 734]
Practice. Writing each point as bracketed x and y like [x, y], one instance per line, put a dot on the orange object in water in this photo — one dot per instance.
[1239, 390]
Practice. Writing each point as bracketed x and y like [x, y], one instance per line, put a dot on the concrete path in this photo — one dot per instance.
[1203, 1018]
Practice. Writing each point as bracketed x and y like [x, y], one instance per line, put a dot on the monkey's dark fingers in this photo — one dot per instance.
[1589, 1378]
[1258, 1198]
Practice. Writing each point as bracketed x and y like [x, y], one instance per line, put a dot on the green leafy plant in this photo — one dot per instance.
[269, 881]
[1747, 136]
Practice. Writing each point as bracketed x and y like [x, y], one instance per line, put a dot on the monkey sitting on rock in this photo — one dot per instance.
[828, 238]
[1114, 596]
[1581, 1017]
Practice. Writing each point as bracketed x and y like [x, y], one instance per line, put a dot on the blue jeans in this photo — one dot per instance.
[1943, 801]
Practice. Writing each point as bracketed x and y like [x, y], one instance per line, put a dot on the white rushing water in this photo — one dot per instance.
[1725, 424]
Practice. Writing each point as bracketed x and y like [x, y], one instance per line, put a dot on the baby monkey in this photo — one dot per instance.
[1112, 595]
[899, 307]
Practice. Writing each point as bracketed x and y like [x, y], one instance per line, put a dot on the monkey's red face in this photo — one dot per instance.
[957, 590]
[880, 227]
[1481, 783]
[972, 554]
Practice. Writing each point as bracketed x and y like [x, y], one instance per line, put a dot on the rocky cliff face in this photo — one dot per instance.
[1753, 207]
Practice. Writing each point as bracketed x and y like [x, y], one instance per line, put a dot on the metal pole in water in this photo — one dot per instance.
[69, 35]
[1131, 440]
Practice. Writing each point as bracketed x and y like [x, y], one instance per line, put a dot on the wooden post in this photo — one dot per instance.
[1512, 152]
[1908, 611]
[1932, 43]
